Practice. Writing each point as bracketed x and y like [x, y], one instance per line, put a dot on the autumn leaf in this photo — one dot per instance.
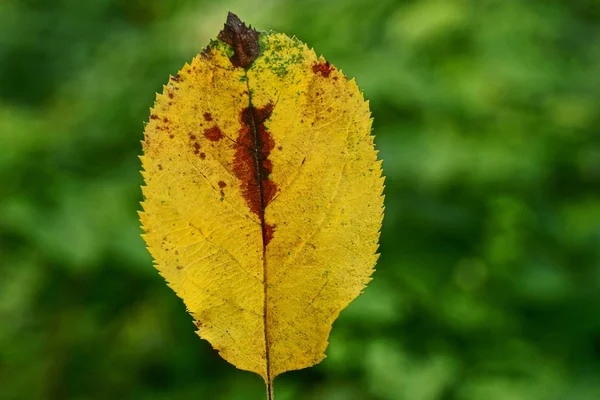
[263, 197]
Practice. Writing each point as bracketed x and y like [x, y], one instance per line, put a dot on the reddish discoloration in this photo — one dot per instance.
[213, 134]
[208, 116]
[268, 235]
[165, 120]
[251, 164]
[323, 68]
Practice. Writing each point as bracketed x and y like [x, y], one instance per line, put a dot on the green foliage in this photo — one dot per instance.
[486, 115]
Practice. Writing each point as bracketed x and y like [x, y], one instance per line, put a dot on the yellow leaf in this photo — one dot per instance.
[263, 197]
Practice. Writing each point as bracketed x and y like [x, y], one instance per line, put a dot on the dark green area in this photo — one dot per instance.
[487, 114]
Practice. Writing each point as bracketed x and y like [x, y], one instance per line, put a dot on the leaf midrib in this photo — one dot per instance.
[256, 150]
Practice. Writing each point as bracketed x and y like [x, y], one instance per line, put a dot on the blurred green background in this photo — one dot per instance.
[487, 116]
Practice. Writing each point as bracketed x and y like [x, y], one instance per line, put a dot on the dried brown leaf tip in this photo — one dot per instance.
[243, 39]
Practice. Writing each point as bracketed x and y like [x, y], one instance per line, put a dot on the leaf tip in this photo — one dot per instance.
[242, 39]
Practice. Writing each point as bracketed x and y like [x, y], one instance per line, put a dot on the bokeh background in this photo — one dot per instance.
[487, 116]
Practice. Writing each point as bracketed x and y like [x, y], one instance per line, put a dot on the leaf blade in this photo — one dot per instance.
[263, 199]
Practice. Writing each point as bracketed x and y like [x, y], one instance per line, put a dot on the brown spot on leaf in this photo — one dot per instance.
[213, 134]
[171, 95]
[192, 136]
[165, 120]
[176, 78]
[160, 167]
[243, 40]
[208, 116]
[222, 185]
[202, 156]
[205, 54]
[251, 163]
[196, 148]
[153, 116]
[171, 136]
[323, 68]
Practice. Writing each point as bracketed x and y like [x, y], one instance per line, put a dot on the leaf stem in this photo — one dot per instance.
[270, 391]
